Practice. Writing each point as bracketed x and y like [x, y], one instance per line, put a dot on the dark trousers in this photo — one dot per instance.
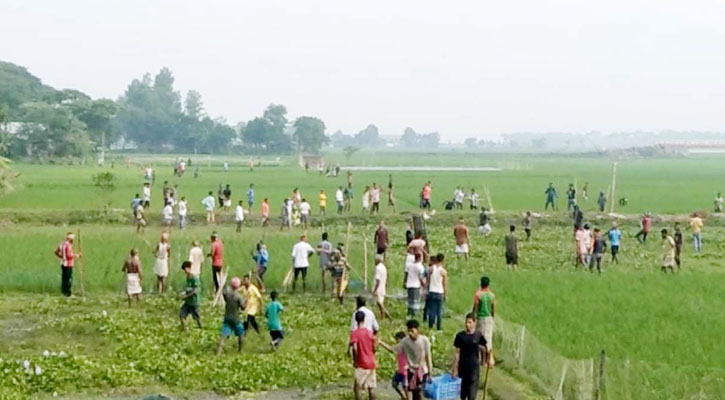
[66, 279]
[641, 236]
[251, 321]
[435, 310]
[469, 385]
[216, 272]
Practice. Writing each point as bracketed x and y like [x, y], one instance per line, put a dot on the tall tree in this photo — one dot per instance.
[310, 134]
[369, 137]
[97, 116]
[193, 106]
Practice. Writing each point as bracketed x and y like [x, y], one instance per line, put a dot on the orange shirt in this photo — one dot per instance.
[265, 210]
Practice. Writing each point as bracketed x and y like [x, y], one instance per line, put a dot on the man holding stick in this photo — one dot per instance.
[484, 308]
[470, 354]
[64, 251]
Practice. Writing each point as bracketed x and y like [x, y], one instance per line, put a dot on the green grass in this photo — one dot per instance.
[661, 333]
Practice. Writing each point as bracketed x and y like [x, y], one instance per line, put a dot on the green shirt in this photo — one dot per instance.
[192, 282]
[272, 313]
[484, 300]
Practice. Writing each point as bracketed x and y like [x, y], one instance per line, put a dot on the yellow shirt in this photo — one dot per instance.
[696, 224]
[254, 300]
[323, 200]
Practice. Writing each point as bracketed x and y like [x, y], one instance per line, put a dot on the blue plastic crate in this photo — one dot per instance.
[444, 387]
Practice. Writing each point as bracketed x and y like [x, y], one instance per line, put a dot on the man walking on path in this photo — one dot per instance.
[324, 252]
[527, 223]
[602, 201]
[550, 197]
[239, 215]
[323, 202]
[570, 197]
[437, 291]
[425, 196]
[348, 196]
[191, 297]
[470, 354]
[209, 205]
[250, 196]
[599, 247]
[340, 200]
[381, 238]
[696, 225]
[668, 254]
[484, 227]
[460, 232]
[369, 322]
[362, 348]
[132, 269]
[380, 286]
[162, 252]
[64, 251]
[615, 236]
[645, 226]
[484, 308]
[511, 244]
[417, 351]
[301, 253]
[216, 254]
[265, 212]
[391, 194]
[183, 212]
[375, 199]
[458, 196]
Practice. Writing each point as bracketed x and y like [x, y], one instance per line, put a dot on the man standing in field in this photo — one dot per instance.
[417, 351]
[232, 324]
[196, 258]
[369, 322]
[227, 192]
[678, 244]
[190, 296]
[380, 286]
[599, 247]
[301, 253]
[348, 195]
[668, 255]
[362, 347]
[132, 269]
[265, 212]
[484, 227]
[216, 254]
[413, 281]
[134, 203]
[512, 249]
[484, 308]
[324, 252]
[64, 251]
[718, 203]
[162, 252]
[183, 212]
[340, 200]
[470, 354]
[615, 237]
[460, 232]
[381, 239]
[140, 219]
[458, 196]
[437, 291]
[250, 197]
[239, 215]
[696, 225]
[375, 198]
[645, 226]
[425, 196]
[527, 225]
[550, 197]
[602, 201]
[391, 194]
[167, 215]
[473, 197]
[570, 197]
[209, 205]
[147, 194]
[305, 210]
[323, 202]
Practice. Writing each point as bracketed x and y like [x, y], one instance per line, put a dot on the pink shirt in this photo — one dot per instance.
[426, 192]
[402, 363]
[67, 251]
[365, 342]
[265, 210]
[217, 253]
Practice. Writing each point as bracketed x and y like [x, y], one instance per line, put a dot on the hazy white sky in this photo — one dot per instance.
[463, 68]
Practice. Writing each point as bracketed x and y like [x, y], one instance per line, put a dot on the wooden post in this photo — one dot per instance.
[365, 261]
[560, 390]
[80, 263]
[520, 355]
[612, 199]
[599, 395]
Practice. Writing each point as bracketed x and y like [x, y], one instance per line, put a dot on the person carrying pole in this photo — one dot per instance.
[64, 251]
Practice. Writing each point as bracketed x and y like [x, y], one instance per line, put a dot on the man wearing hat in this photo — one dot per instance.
[67, 257]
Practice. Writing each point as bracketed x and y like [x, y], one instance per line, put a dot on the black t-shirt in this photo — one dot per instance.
[469, 343]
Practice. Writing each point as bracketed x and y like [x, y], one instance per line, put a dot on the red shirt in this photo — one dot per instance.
[66, 249]
[646, 224]
[365, 348]
[217, 253]
[265, 210]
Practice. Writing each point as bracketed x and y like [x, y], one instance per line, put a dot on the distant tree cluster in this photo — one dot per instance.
[412, 139]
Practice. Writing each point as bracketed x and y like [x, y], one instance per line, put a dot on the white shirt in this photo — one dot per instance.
[196, 257]
[239, 213]
[168, 212]
[305, 208]
[415, 272]
[182, 208]
[381, 275]
[338, 195]
[459, 195]
[300, 253]
[474, 199]
[209, 203]
[375, 195]
[147, 193]
[370, 323]
[436, 279]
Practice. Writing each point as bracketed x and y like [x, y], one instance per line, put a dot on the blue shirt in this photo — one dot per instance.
[614, 236]
[261, 257]
[135, 202]
[272, 313]
[250, 195]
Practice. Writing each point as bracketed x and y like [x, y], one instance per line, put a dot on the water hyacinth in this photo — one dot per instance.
[38, 370]
[26, 364]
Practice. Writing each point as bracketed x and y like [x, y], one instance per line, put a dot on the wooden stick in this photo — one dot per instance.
[365, 261]
[614, 185]
[488, 369]
[488, 198]
[80, 263]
